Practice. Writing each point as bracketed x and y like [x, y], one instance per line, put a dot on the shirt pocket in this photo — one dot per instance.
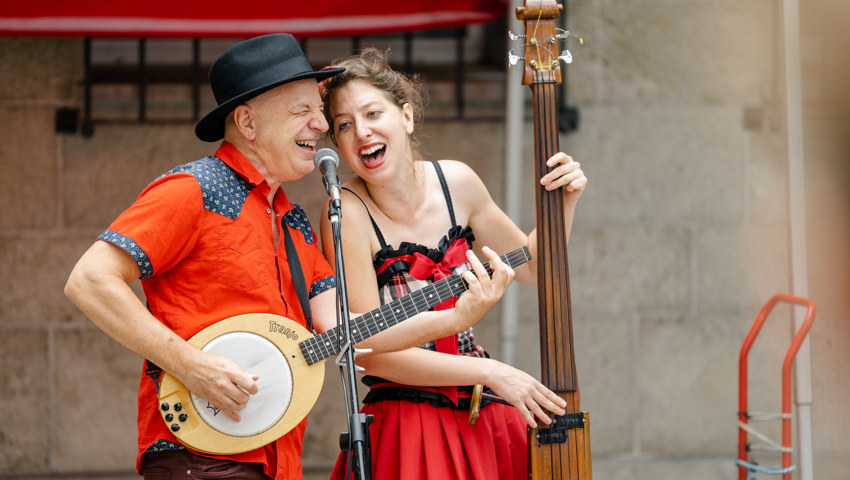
[241, 263]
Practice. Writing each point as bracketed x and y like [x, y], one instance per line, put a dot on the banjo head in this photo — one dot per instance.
[260, 357]
[265, 345]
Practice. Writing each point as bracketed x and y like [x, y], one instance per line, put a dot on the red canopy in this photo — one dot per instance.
[222, 18]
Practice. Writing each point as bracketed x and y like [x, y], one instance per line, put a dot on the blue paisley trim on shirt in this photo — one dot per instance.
[297, 219]
[163, 446]
[132, 248]
[224, 191]
[322, 285]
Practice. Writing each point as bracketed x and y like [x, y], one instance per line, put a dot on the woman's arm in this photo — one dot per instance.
[417, 366]
[490, 223]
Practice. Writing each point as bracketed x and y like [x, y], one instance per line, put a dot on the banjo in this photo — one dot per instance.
[288, 360]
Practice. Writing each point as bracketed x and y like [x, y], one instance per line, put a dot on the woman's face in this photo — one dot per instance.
[371, 131]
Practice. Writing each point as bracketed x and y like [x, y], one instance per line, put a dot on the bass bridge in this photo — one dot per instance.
[557, 431]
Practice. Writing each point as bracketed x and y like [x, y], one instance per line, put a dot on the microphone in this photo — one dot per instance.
[326, 161]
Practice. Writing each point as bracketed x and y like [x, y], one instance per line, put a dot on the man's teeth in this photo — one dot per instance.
[306, 143]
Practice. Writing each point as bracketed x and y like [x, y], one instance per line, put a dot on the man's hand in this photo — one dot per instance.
[220, 381]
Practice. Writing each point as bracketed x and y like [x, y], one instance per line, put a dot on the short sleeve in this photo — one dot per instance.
[160, 228]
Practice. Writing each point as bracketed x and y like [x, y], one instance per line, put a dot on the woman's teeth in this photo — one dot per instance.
[371, 150]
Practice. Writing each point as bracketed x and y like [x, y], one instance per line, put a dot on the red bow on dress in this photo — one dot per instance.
[423, 268]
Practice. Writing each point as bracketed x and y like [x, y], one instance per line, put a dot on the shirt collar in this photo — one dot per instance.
[235, 160]
[230, 155]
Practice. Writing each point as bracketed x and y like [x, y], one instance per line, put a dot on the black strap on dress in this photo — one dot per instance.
[374, 225]
[446, 193]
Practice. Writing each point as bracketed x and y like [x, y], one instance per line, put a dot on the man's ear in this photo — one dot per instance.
[245, 122]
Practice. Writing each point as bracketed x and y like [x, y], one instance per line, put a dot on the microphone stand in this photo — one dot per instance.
[356, 440]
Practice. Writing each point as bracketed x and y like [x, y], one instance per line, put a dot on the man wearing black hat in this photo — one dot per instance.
[207, 240]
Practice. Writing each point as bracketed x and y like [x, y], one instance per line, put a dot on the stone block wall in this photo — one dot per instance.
[679, 240]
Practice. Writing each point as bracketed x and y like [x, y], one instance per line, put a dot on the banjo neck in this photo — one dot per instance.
[326, 344]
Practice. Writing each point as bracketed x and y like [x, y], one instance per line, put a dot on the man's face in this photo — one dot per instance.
[288, 123]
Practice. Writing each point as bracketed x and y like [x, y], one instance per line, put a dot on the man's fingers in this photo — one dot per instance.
[237, 395]
[234, 415]
[244, 386]
[248, 383]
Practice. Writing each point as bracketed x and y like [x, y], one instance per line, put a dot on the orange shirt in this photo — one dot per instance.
[202, 237]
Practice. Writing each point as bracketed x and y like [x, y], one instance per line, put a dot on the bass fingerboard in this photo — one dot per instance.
[328, 343]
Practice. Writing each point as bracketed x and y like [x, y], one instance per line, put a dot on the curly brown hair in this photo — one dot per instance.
[372, 66]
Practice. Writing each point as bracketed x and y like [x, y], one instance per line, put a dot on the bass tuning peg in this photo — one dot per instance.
[513, 58]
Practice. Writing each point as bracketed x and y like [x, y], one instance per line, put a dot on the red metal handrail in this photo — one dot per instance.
[786, 378]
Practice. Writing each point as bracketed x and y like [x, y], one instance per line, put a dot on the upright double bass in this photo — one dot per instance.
[560, 450]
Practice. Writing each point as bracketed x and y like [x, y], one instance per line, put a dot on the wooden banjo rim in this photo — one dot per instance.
[307, 383]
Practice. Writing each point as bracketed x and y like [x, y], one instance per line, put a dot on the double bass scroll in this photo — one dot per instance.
[560, 450]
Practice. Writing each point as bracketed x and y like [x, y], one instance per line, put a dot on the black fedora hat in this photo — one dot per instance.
[250, 68]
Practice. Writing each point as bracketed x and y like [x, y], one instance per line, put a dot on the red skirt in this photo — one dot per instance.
[412, 440]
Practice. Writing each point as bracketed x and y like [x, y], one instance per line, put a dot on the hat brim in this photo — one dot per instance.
[211, 127]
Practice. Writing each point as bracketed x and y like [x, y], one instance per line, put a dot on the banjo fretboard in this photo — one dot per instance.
[328, 343]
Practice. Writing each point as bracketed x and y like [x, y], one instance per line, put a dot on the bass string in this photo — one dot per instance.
[549, 220]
